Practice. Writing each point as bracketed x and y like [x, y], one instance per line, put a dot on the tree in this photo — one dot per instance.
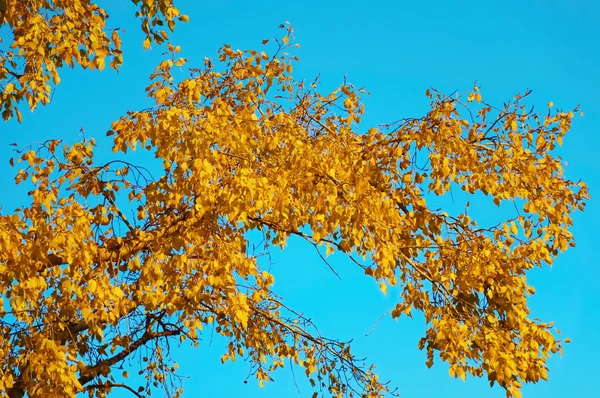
[245, 148]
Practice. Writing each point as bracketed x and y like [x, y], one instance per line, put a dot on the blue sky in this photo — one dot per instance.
[396, 49]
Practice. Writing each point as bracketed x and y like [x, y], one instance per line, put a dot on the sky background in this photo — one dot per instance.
[396, 50]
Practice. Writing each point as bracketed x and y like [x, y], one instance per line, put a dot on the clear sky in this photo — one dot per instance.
[396, 49]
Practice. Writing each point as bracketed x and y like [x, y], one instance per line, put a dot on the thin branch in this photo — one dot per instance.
[111, 385]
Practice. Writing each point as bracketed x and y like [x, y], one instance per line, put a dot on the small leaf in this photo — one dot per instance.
[383, 287]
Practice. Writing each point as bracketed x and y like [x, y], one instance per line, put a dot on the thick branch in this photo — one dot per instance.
[16, 391]
[90, 372]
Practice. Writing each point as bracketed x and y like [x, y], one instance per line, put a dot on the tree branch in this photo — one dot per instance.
[110, 385]
[90, 372]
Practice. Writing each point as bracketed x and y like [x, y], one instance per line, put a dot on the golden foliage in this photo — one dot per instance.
[245, 147]
[48, 35]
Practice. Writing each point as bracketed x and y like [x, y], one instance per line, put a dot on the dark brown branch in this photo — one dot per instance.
[14, 74]
[90, 372]
[16, 391]
[110, 385]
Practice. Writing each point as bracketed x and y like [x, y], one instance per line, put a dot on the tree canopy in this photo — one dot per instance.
[246, 148]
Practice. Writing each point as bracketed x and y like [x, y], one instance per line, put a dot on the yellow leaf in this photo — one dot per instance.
[116, 39]
[330, 250]
[100, 63]
[48, 204]
[242, 317]
[17, 303]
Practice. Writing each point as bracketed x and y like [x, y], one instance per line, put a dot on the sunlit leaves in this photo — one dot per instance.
[109, 263]
[299, 165]
[48, 35]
